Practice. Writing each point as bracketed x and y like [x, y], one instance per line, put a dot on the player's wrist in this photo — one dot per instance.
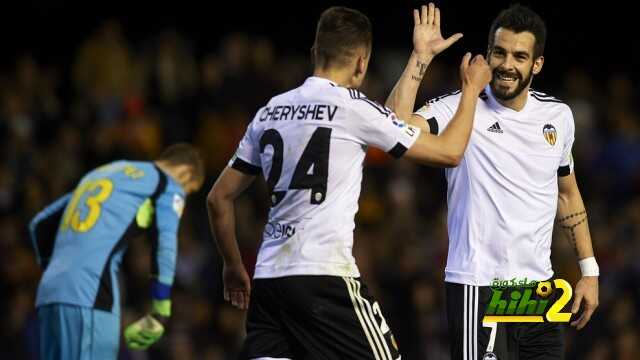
[473, 89]
[161, 308]
[423, 56]
[233, 263]
[589, 267]
[470, 91]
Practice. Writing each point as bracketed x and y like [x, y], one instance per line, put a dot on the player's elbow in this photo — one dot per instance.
[566, 197]
[451, 158]
[215, 199]
[454, 160]
[438, 154]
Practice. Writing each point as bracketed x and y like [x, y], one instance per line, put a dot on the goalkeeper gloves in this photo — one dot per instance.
[148, 330]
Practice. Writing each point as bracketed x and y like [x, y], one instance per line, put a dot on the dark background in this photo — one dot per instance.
[82, 84]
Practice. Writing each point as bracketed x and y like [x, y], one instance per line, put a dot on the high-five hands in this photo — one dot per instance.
[474, 73]
[427, 38]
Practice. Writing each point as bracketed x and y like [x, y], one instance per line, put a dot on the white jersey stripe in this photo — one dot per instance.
[356, 308]
[475, 323]
[464, 325]
[370, 320]
[374, 321]
[470, 328]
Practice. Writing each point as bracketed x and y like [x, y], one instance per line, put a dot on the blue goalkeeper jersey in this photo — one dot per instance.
[81, 238]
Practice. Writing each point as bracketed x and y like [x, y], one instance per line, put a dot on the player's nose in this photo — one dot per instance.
[508, 63]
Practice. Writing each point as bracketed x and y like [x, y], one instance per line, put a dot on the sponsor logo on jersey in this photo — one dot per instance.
[178, 204]
[397, 122]
[277, 231]
[495, 128]
[489, 356]
[550, 134]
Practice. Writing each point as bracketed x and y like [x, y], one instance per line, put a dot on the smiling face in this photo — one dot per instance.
[512, 62]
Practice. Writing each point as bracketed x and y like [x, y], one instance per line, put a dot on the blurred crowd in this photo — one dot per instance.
[119, 100]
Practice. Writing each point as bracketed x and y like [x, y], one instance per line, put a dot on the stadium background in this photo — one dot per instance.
[83, 84]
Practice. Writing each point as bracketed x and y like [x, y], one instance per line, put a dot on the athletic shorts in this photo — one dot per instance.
[472, 339]
[69, 332]
[316, 317]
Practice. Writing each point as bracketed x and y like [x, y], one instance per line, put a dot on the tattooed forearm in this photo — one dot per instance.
[561, 221]
[422, 69]
[569, 224]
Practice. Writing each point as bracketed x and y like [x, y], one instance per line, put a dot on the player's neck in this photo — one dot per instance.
[339, 77]
[175, 172]
[517, 103]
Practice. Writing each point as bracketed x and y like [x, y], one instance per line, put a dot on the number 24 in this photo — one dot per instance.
[315, 155]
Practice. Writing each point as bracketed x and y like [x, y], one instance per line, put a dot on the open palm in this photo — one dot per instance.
[427, 38]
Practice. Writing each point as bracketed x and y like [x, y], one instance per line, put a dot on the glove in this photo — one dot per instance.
[143, 333]
[148, 330]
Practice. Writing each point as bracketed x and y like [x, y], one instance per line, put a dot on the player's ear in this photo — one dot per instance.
[537, 65]
[361, 66]
[312, 52]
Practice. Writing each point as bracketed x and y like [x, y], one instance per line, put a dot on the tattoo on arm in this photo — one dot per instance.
[422, 68]
[569, 224]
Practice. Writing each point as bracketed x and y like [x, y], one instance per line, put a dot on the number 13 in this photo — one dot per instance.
[100, 191]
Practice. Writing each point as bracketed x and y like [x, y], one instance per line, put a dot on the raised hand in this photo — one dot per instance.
[474, 73]
[427, 38]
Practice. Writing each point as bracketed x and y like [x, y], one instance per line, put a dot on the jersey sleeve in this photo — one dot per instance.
[44, 227]
[437, 112]
[378, 126]
[566, 162]
[167, 206]
[247, 156]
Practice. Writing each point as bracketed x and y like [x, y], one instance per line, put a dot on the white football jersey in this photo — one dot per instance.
[310, 144]
[502, 197]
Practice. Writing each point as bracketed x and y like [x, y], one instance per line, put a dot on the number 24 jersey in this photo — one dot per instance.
[310, 143]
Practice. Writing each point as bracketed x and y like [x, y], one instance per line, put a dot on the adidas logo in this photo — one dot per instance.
[495, 128]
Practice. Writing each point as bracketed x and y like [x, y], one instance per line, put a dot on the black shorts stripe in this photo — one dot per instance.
[564, 170]
[398, 150]
[245, 167]
[434, 128]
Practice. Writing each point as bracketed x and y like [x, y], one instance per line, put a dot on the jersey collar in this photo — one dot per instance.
[495, 105]
[319, 80]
